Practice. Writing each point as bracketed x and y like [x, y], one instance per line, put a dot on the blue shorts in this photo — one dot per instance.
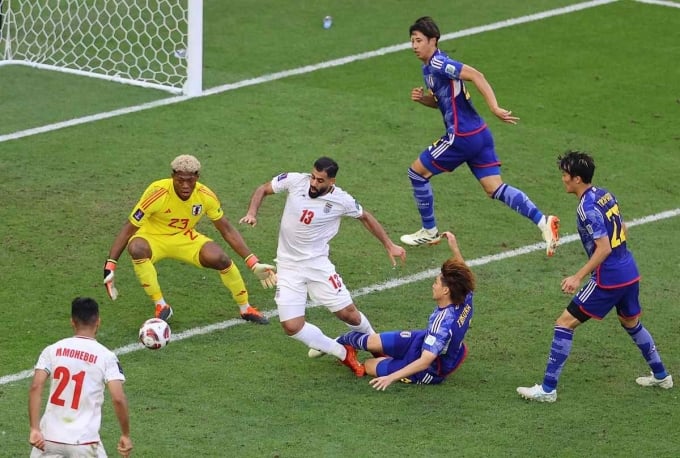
[477, 151]
[597, 302]
[404, 347]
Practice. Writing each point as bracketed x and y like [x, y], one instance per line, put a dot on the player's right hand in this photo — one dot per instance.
[248, 219]
[417, 94]
[109, 269]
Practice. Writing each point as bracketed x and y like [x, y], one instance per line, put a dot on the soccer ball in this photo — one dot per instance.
[154, 333]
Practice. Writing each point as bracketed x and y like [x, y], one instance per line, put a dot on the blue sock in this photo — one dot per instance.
[518, 201]
[422, 193]
[643, 339]
[354, 339]
[559, 352]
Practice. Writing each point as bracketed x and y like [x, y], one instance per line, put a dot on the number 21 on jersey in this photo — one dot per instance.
[64, 376]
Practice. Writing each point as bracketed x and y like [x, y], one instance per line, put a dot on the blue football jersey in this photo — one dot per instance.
[446, 330]
[598, 216]
[442, 77]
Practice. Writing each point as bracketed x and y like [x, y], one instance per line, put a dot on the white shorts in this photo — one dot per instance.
[316, 278]
[57, 450]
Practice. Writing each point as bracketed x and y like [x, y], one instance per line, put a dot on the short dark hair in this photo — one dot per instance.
[458, 277]
[84, 310]
[577, 164]
[328, 165]
[426, 26]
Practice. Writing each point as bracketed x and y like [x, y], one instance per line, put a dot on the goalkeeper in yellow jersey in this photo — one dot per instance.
[161, 226]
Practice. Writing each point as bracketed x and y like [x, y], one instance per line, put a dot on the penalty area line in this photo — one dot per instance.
[397, 282]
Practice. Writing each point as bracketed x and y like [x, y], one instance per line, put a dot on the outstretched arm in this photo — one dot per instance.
[255, 202]
[375, 228]
[119, 244]
[472, 74]
[121, 240]
[453, 244]
[266, 273]
[232, 237]
[420, 364]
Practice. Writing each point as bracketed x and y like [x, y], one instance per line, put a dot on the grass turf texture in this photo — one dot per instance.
[576, 82]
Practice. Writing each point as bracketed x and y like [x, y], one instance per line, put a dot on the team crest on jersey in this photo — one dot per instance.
[450, 70]
[328, 207]
[196, 209]
[430, 339]
[138, 215]
[430, 81]
[281, 177]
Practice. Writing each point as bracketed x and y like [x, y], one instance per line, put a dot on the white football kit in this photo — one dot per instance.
[79, 369]
[307, 226]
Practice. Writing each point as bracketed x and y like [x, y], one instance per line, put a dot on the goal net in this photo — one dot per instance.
[150, 43]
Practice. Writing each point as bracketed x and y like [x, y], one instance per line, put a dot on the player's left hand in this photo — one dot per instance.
[125, 446]
[380, 383]
[266, 273]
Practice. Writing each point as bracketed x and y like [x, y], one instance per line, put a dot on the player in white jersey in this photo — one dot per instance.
[79, 368]
[311, 218]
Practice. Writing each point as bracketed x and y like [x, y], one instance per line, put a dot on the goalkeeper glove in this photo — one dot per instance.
[109, 268]
[266, 273]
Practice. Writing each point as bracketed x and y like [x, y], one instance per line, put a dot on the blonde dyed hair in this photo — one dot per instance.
[185, 163]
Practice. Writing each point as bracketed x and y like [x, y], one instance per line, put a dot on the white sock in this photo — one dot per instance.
[543, 223]
[312, 336]
[363, 327]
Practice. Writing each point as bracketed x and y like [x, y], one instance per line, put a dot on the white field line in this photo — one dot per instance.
[660, 3]
[397, 282]
[300, 71]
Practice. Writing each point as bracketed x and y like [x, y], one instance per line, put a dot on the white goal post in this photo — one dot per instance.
[149, 43]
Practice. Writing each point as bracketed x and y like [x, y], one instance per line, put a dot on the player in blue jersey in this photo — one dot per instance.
[467, 139]
[425, 356]
[614, 280]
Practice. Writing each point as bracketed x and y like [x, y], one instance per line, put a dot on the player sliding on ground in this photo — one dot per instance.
[425, 356]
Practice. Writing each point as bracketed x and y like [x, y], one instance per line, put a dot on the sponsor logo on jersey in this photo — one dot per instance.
[589, 228]
[168, 211]
[430, 81]
[281, 177]
[405, 334]
[450, 70]
[196, 209]
[138, 215]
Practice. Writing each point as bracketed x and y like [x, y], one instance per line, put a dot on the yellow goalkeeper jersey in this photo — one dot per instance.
[161, 212]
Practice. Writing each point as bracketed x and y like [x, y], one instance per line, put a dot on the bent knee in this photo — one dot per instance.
[139, 248]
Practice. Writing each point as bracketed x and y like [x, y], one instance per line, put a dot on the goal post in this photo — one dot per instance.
[149, 43]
